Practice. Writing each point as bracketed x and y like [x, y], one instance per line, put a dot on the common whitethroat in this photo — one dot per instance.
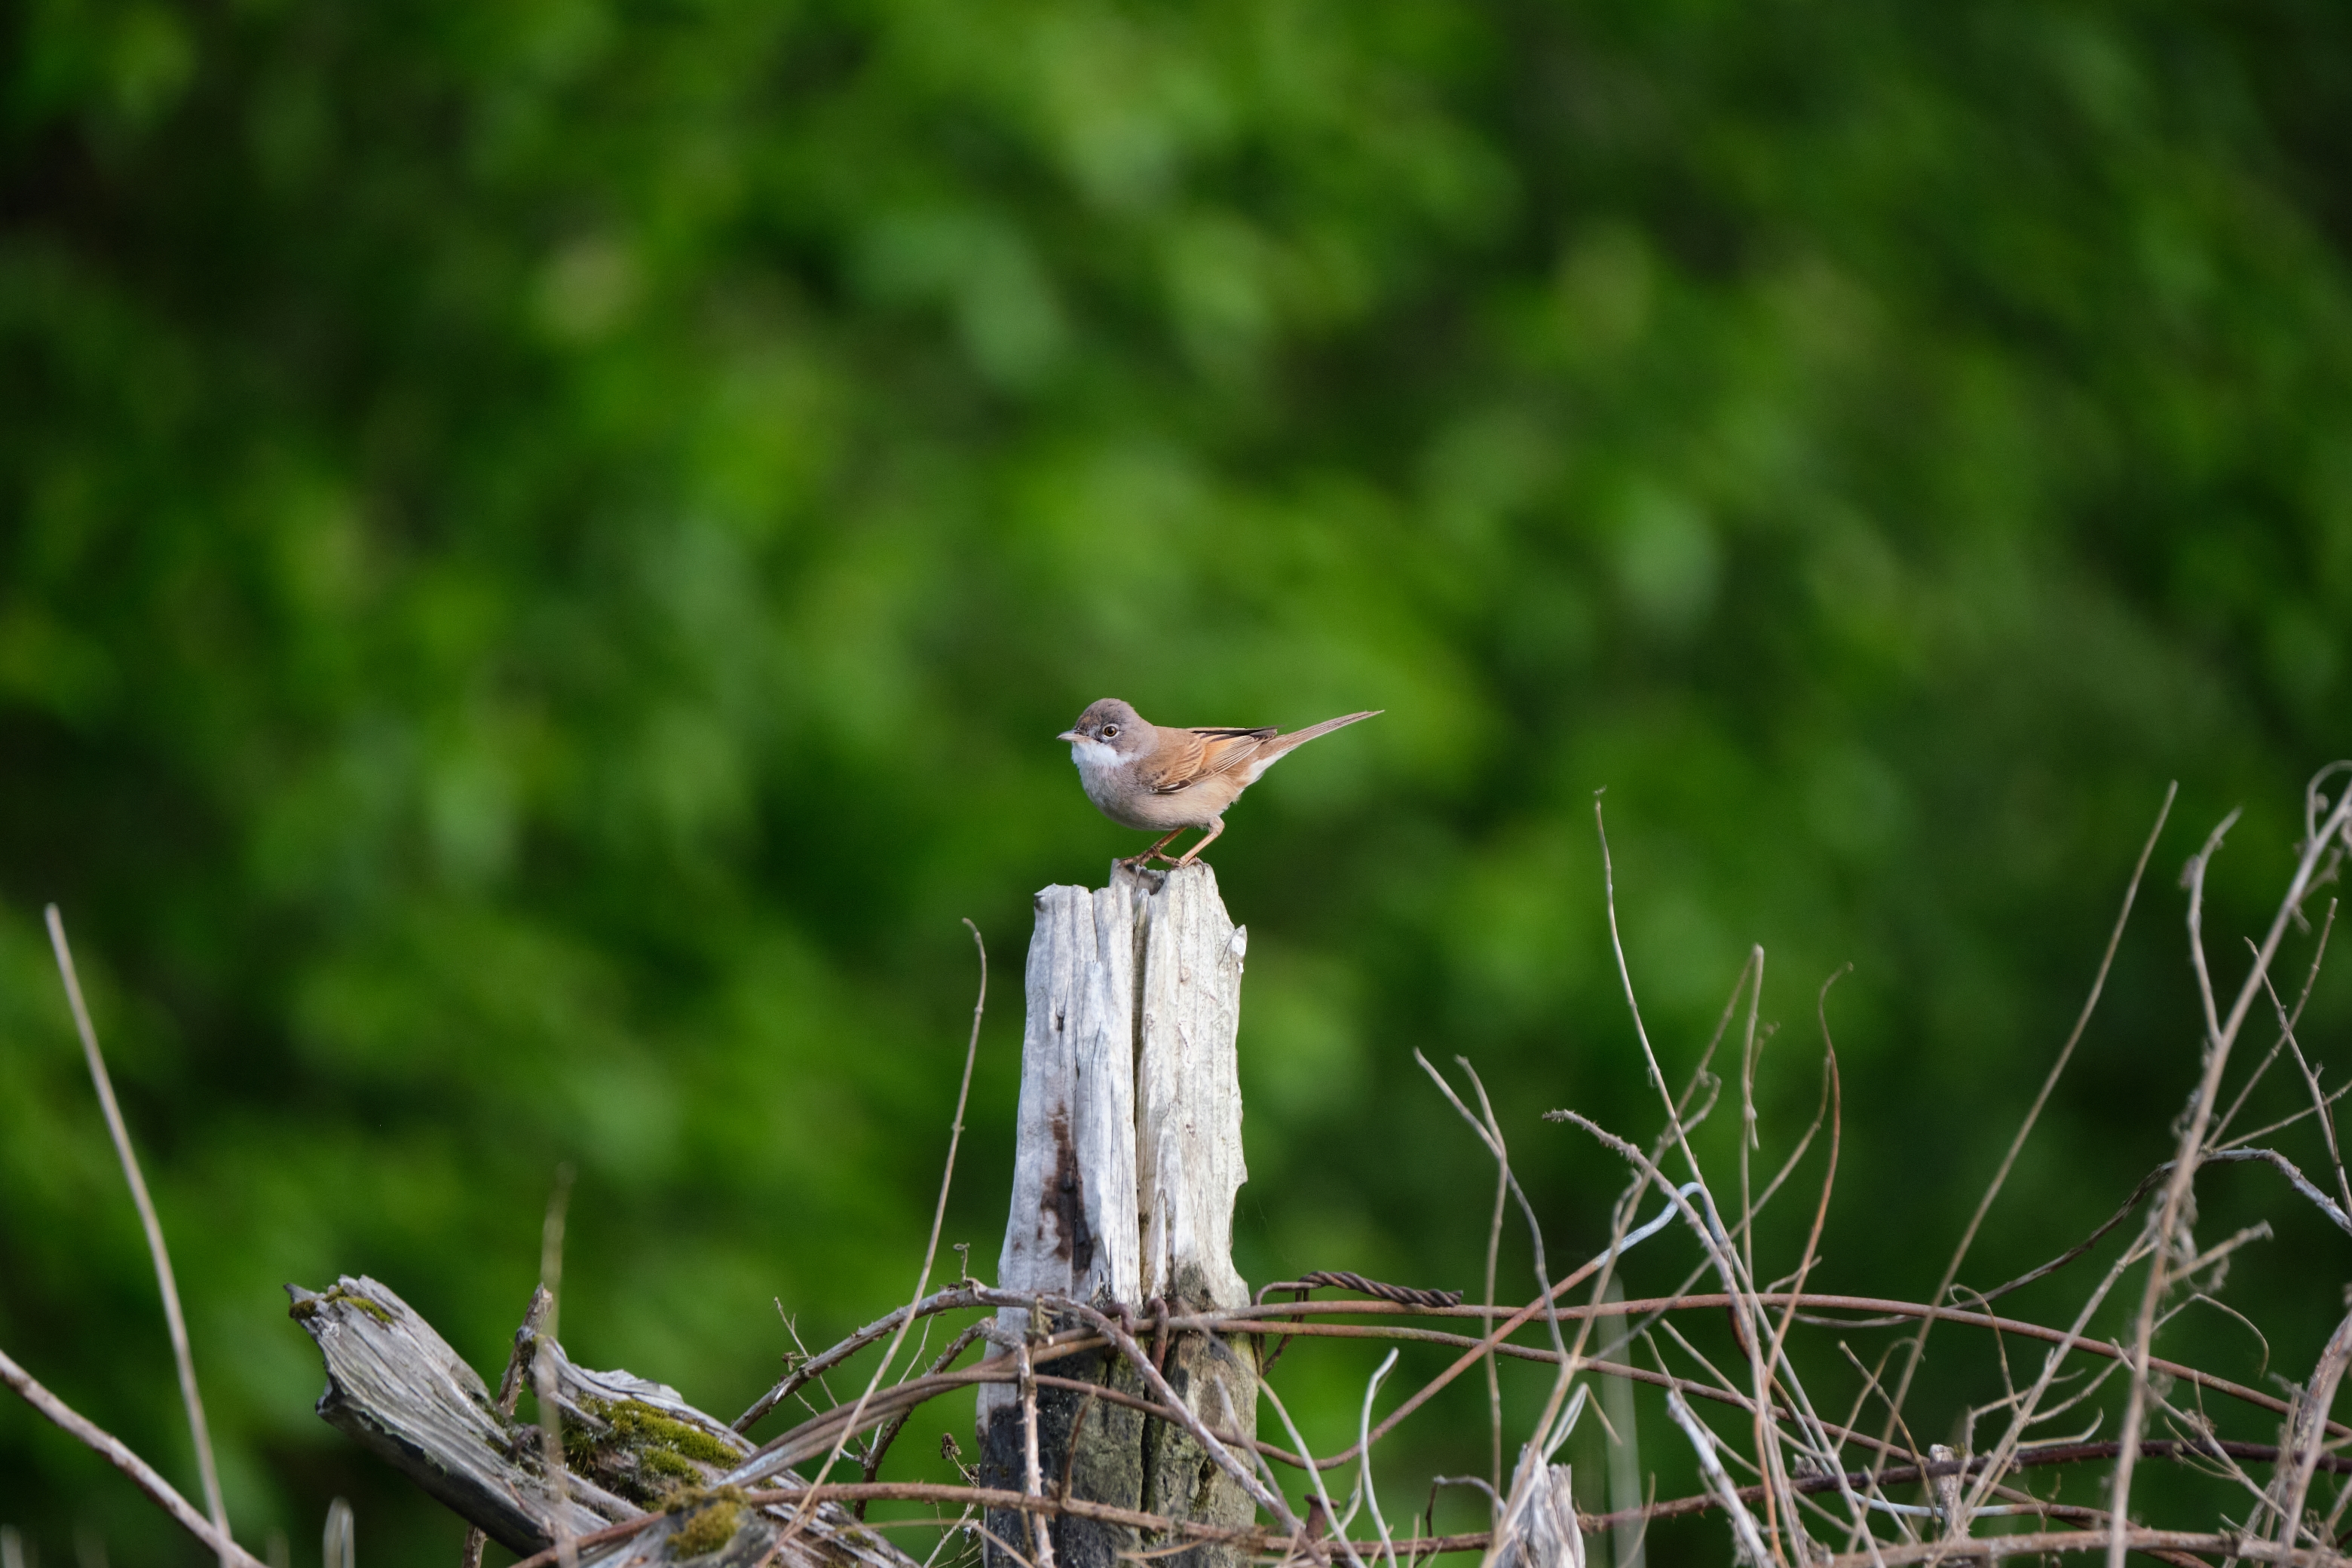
[1147, 776]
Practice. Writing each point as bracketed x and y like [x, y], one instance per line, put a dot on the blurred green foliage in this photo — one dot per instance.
[541, 547]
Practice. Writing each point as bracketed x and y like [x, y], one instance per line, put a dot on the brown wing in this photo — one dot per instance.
[1185, 757]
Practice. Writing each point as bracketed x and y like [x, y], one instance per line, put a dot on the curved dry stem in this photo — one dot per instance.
[550, 1418]
[1364, 1455]
[115, 1452]
[813, 1368]
[1314, 1470]
[2040, 1099]
[2222, 1033]
[931, 1248]
[199, 1432]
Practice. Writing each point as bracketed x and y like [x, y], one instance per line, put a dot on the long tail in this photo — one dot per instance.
[1298, 738]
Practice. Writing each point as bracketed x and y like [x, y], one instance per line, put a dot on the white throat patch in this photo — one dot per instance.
[1093, 756]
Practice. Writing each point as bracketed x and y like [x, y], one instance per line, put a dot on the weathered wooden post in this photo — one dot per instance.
[1128, 1161]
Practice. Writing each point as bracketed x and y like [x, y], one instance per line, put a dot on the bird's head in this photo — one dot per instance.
[1106, 731]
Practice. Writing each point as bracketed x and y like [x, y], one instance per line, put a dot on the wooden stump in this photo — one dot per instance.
[630, 1446]
[1128, 1162]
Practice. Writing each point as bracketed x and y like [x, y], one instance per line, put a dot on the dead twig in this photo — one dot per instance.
[2220, 1034]
[1041, 1542]
[534, 1318]
[1992, 1548]
[955, 1299]
[207, 1472]
[1918, 1348]
[115, 1452]
[2271, 1157]
[1320, 1498]
[2307, 1434]
[930, 1254]
[1743, 1524]
[1222, 1457]
[551, 1412]
[872, 1465]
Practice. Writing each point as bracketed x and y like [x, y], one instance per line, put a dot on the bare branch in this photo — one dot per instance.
[116, 1453]
[2306, 1431]
[2034, 1112]
[207, 1472]
[931, 1249]
[2221, 1034]
[1743, 1524]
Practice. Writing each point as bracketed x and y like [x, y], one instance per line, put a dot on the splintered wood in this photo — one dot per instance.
[1073, 1182]
[1188, 1144]
[635, 1450]
[1128, 1162]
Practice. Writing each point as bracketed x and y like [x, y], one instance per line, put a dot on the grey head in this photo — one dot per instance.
[1111, 724]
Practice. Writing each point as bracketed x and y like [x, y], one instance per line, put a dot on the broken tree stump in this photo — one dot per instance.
[1127, 1162]
[632, 1449]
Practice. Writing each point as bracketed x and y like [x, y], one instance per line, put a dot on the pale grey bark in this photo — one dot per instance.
[398, 1387]
[1188, 1091]
[1073, 1231]
[1128, 1162]
[1128, 1159]
[1540, 1530]
[406, 1395]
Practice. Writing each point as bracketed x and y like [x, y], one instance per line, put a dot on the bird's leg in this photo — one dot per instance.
[1135, 862]
[1169, 858]
[1206, 838]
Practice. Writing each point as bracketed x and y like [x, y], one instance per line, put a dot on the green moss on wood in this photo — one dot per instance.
[639, 1451]
[339, 1294]
[645, 1429]
[711, 1519]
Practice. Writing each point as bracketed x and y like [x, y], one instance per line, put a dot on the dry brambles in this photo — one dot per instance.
[1794, 1483]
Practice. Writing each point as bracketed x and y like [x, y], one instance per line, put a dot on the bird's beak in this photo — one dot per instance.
[1069, 735]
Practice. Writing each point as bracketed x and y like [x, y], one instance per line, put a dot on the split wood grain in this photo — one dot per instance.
[398, 1387]
[1188, 1141]
[1128, 1162]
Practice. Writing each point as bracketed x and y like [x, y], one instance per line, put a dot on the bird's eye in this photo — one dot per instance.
[1110, 732]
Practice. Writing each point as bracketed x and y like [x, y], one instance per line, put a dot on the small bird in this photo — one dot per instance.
[1147, 776]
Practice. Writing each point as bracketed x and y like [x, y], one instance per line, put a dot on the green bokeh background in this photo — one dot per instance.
[542, 547]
